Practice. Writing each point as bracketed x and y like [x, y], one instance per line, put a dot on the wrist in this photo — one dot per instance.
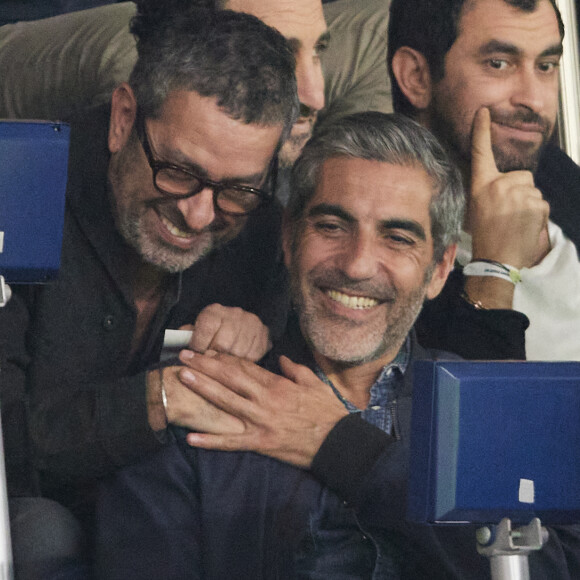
[156, 400]
[489, 292]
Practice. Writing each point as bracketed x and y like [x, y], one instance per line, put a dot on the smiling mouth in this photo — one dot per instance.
[354, 302]
[531, 129]
[173, 229]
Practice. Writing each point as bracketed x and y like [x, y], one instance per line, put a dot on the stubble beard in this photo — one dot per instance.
[132, 226]
[349, 342]
[131, 218]
[511, 155]
[292, 147]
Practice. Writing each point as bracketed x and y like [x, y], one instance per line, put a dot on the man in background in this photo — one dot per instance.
[58, 66]
[483, 76]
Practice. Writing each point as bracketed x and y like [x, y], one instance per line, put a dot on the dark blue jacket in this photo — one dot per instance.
[187, 513]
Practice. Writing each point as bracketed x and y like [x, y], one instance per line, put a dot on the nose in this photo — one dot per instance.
[360, 260]
[198, 211]
[310, 81]
[530, 91]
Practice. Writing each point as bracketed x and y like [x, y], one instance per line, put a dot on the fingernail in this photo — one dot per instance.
[187, 375]
[187, 354]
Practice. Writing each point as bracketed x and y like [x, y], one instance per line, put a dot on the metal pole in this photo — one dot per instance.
[6, 565]
[508, 549]
[6, 570]
[5, 292]
[510, 567]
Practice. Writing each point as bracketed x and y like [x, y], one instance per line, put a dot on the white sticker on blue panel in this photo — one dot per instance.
[526, 493]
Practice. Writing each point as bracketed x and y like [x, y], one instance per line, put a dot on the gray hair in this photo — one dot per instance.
[233, 57]
[391, 139]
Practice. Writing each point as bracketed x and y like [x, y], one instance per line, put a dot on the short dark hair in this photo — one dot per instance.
[393, 139]
[431, 27]
[231, 56]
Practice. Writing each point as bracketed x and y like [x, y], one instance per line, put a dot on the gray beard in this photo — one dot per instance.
[326, 336]
[164, 256]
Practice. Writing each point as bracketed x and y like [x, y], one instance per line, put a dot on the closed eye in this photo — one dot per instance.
[400, 239]
[328, 227]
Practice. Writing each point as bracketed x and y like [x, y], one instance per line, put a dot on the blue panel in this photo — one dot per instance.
[33, 174]
[484, 435]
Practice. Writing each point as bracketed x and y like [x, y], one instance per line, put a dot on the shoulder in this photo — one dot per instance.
[557, 169]
[292, 345]
[558, 178]
[59, 65]
[354, 67]
[420, 353]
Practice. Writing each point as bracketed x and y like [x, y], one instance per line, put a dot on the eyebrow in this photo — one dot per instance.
[296, 43]
[389, 224]
[324, 37]
[495, 46]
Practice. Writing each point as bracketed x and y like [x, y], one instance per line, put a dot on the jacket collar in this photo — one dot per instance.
[294, 346]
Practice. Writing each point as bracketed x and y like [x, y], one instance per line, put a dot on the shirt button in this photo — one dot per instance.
[376, 407]
[109, 322]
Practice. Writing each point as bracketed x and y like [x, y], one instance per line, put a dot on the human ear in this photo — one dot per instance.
[441, 272]
[411, 71]
[123, 113]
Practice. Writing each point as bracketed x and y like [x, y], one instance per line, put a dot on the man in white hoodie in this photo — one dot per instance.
[483, 76]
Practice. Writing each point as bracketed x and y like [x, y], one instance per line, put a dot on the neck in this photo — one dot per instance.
[354, 382]
[147, 292]
[148, 280]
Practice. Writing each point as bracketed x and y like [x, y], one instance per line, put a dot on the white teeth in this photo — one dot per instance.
[355, 302]
[173, 229]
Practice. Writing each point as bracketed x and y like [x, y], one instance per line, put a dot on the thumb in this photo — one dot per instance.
[297, 373]
[483, 167]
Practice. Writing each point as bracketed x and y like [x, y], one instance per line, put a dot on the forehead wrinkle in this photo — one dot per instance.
[471, 5]
[281, 14]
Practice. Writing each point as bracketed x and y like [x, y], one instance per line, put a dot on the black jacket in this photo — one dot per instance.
[67, 344]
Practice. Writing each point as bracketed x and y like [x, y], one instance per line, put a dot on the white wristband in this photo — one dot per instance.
[495, 269]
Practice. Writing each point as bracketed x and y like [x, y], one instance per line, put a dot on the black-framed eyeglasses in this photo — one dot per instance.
[176, 182]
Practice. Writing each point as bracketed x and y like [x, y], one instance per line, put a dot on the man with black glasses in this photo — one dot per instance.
[169, 215]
